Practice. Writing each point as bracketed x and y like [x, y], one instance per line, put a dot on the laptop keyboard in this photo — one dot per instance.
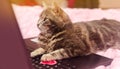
[60, 64]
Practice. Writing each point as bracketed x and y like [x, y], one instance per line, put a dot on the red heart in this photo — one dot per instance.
[52, 62]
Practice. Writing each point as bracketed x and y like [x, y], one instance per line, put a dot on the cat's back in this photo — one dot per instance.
[98, 33]
[108, 24]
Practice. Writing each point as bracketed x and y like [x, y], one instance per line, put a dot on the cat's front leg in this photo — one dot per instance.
[36, 52]
[55, 55]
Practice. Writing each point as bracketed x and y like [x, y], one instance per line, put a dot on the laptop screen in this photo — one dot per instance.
[12, 48]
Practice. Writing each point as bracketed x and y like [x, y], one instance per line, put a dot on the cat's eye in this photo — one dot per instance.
[45, 19]
[47, 22]
[41, 21]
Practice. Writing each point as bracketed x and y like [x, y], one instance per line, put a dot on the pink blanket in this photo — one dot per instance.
[27, 18]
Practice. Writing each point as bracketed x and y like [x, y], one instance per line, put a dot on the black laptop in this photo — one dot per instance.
[14, 50]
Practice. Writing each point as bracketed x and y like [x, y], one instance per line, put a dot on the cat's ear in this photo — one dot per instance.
[56, 7]
[48, 4]
[44, 4]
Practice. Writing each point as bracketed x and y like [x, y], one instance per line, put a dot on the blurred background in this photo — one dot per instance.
[75, 3]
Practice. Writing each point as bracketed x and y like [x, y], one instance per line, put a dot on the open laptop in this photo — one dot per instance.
[14, 55]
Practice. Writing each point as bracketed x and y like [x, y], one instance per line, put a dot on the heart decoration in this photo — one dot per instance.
[52, 62]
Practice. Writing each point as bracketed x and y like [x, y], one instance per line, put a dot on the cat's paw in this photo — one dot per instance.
[36, 52]
[47, 57]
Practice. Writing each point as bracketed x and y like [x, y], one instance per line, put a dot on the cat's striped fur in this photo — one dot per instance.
[60, 38]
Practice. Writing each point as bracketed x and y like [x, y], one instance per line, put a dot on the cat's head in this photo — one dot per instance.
[53, 18]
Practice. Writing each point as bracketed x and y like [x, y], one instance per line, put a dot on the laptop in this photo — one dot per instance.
[15, 51]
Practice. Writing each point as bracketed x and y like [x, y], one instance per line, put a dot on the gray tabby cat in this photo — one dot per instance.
[60, 38]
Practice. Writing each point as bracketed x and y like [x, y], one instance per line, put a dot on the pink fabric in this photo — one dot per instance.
[27, 18]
